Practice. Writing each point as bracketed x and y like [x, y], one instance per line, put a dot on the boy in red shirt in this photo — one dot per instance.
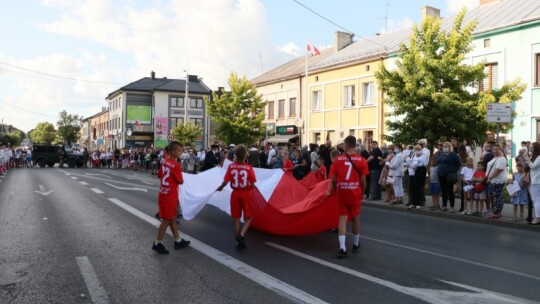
[288, 165]
[321, 173]
[348, 175]
[170, 175]
[479, 179]
[242, 178]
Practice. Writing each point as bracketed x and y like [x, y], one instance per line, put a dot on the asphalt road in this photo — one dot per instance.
[85, 235]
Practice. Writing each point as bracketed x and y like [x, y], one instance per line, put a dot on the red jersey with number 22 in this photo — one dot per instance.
[170, 175]
[348, 181]
[240, 175]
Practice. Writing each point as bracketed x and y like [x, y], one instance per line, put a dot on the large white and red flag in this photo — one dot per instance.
[292, 207]
[312, 49]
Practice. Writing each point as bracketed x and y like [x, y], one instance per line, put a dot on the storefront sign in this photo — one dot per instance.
[286, 130]
[139, 114]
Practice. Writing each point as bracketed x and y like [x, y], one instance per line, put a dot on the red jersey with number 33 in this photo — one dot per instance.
[170, 175]
[240, 175]
[348, 181]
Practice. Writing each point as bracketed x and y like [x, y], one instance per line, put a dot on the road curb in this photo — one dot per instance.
[502, 222]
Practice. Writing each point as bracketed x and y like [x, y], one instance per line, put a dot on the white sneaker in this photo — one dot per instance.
[464, 212]
[418, 207]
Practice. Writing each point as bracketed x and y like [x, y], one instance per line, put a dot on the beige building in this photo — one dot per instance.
[99, 130]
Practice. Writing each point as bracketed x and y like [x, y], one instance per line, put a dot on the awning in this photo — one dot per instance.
[281, 139]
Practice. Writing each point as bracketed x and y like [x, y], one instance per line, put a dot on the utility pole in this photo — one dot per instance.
[386, 16]
[186, 98]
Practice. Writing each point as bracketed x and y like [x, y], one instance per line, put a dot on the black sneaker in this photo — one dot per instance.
[183, 243]
[240, 242]
[356, 249]
[160, 248]
[342, 254]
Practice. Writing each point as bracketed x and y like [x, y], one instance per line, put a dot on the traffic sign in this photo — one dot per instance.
[170, 137]
[499, 112]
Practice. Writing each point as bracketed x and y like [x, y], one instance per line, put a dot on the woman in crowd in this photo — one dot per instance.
[469, 149]
[314, 156]
[396, 171]
[417, 171]
[299, 164]
[534, 188]
[496, 177]
[449, 165]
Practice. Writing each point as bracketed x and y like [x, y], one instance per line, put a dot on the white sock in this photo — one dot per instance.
[157, 242]
[356, 239]
[178, 239]
[342, 242]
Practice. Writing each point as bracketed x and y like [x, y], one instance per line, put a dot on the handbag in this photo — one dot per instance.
[390, 180]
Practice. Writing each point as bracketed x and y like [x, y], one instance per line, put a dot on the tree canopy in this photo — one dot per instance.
[43, 133]
[69, 126]
[430, 91]
[239, 113]
[187, 134]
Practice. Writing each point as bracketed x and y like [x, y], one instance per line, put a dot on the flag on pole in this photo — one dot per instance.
[312, 49]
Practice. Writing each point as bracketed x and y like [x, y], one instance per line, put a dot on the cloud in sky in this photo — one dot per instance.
[208, 38]
[396, 25]
[455, 6]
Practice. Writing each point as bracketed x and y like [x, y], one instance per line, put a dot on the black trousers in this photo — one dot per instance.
[418, 182]
[447, 189]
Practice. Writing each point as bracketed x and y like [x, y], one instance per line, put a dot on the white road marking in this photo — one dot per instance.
[117, 181]
[96, 190]
[148, 183]
[83, 183]
[73, 177]
[43, 192]
[521, 274]
[290, 292]
[126, 188]
[92, 174]
[97, 293]
[435, 296]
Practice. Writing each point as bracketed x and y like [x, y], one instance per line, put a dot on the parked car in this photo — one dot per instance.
[44, 155]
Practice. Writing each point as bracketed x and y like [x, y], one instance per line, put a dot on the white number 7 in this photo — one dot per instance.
[350, 165]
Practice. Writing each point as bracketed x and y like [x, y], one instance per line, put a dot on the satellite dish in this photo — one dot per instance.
[128, 132]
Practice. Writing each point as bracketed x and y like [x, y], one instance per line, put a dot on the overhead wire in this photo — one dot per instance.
[25, 110]
[337, 25]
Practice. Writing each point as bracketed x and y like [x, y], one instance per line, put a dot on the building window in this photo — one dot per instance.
[487, 43]
[292, 107]
[537, 69]
[196, 103]
[316, 99]
[177, 102]
[352, 132]
[176, 121]
[196, 121]
[317, 138]
[271, 109]
[367, 97]
[367, 68]
[281, 108]
[349, 96]
[368, 138]
[491, 81]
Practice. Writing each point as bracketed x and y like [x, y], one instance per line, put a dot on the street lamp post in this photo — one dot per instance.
[186, 98]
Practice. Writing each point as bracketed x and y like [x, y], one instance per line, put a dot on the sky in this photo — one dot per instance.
[69, 54]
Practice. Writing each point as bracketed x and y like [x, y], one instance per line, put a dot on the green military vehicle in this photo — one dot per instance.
[44, 155]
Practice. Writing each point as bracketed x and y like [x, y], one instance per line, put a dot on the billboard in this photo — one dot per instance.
[161, 131]
[139, 114]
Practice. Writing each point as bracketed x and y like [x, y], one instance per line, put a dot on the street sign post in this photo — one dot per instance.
[499, 113]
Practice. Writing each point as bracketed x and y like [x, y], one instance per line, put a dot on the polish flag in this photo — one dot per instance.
[312, 49]
[285, 206]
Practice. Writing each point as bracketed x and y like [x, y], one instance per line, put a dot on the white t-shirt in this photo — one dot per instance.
[467, 173]
[271, 154]
[497, 163]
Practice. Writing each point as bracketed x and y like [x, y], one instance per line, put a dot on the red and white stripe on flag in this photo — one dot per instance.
[312, 49]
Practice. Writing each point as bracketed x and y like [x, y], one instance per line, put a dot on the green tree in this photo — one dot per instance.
[239, 113]
[428, 89]
[16, 137]
[69, 126]
[187, 134]
[43, 133]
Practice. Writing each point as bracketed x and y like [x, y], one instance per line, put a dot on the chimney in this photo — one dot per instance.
[193, 78]
[482, 2]
[429, 11]
[341, 40]
[153, 75]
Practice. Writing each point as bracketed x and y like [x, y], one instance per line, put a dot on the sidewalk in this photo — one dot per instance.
[505, 220]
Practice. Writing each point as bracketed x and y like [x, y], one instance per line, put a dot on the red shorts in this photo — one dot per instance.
[241, 202]
[168, 211]
[351, 210]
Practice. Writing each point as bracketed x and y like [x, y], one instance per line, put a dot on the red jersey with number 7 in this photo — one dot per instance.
[240, 175]
[348, 181]
[170, 175]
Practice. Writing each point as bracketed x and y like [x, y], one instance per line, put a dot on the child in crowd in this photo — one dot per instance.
[321, 173]
[479, 179]
[242, 178]
[521, 197]
[170, 175]
[434, 185]
[468, 185]
[288, 165]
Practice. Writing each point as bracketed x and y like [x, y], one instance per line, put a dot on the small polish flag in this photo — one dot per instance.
[312, 49]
